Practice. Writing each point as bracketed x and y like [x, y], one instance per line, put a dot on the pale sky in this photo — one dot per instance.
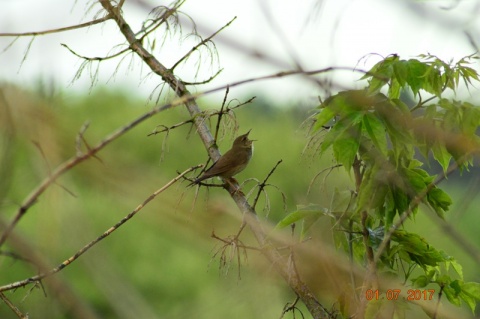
[315, 33]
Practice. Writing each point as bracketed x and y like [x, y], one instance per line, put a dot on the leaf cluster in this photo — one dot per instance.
[375, 135]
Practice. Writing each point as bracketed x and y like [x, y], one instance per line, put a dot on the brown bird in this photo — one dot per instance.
[232, 162]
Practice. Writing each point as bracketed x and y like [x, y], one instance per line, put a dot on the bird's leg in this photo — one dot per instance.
[234, 184]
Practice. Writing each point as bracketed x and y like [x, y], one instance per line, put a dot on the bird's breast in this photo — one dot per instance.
[250, 153]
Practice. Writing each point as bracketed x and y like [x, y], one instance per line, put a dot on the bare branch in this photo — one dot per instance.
[220, 113]
[95, 58]
[415, 202]
[204, 81]
[108, 232]
[185, 98]
[274, 257]
[264, 183]
[12, 306]
[63, 29]
[168, 128]
[203, 42]
[72, 162]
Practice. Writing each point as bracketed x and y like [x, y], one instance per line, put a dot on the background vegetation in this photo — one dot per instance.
[162, 262]
[165, 262]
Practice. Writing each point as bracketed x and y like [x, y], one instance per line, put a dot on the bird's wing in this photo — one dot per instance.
[223, 164]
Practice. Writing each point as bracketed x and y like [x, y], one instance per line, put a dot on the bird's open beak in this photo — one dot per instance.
[249, 133]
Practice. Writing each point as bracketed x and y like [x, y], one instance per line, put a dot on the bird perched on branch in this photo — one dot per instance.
[232, 162]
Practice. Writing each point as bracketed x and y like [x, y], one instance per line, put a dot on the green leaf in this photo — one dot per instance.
[416, 72]
[402, 107]
[298, 215]
[456, 266]
[469, 301]
[346, 146]
[439, 200]
[376, 131]
[394, 89]
[441, 155]
[452, 295]
[400, 70]
[390, 216]
[470, 119]
[456, 285]
[400, 199]
[467, 74]
[325, 115]
[380, 74]
[308, 215]
[433, 81]
[340, 127]
[414, 179]
[345, 150]
[418, 249]
[369, 187]
[470, 293]
[395, 119]
[472, 289]
[421, 281]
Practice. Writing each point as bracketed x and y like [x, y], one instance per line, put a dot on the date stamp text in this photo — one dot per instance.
[394, 294]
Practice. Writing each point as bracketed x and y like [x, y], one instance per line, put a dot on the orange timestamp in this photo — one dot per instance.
[394, 294]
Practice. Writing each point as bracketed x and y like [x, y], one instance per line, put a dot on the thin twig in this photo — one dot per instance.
[220, 114]
[66, 166]
[63, 29]
[264, 183]
[15, 256]
[292, 307]
[184, 99]
[415, 202]
[108, 232]
[12, 306]
[168, 128]
[277, 261]
[156, 23]
[203, 42]
[440, 293]
[331, 168]
[227, 241]
[95, 58]
[204, 81]
[81, 138]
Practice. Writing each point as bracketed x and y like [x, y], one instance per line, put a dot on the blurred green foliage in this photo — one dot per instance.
[160, 264]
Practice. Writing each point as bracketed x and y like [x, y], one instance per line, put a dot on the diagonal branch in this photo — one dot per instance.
[415, 202]
[108, 232]
[279, 262]
[72, 162]
[69, 28]
[203, 42]
[12, 306]
[197, 117]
